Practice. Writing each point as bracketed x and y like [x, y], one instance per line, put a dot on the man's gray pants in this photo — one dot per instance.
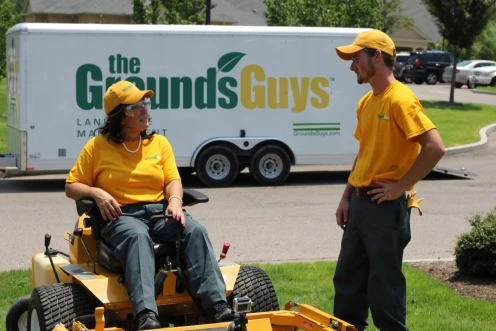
[368, 272]
[133, 235]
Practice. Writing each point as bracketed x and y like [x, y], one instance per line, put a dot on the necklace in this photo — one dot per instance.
[137, 149]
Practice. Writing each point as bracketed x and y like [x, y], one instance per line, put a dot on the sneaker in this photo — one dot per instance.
[147, 320]
[220, 312]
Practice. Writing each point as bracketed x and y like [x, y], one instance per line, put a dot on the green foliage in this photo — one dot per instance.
[476, 251]
[385, 15]
[483, 48]
[168, 12]
[460, 22]
[9, 16]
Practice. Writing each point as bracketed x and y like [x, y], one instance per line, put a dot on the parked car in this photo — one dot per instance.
[427, 66]
[463, 70]
[399, 66]
[483, 76]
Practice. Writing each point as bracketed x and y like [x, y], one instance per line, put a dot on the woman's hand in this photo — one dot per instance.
[109, 208]
[175, 208]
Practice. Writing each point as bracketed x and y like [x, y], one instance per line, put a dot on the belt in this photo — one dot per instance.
[361, 192]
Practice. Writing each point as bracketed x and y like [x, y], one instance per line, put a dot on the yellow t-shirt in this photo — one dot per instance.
[128, 177]
[386, 125]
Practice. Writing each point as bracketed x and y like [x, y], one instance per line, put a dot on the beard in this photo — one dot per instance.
[362, 79]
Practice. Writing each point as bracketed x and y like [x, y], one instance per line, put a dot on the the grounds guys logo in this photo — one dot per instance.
[254, 88]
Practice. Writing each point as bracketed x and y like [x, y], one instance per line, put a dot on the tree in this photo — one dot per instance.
[168, 12]
[385, 15]
[9, 16]
[460, 22]
[393, 17]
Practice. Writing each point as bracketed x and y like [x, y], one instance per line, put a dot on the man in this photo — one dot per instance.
[373, 211]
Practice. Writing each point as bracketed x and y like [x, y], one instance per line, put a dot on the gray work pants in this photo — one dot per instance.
[368, 272]
[133, 235]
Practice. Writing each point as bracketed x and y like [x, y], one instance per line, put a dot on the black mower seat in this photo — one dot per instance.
[106, 255]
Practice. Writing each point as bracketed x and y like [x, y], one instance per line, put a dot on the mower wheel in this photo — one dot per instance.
[57, 303]
[254, 283]
[17, 316]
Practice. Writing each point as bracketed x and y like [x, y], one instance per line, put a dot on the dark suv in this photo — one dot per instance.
[427, 66]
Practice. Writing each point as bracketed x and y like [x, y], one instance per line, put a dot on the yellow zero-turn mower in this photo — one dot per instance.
[86, 290]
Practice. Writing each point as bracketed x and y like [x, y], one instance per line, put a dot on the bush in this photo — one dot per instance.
[476, 251]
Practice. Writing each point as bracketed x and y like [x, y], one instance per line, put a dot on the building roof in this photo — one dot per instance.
[423, 20]
[239, 12]
[71, 7]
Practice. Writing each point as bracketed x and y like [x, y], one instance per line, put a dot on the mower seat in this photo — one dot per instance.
[105, 252]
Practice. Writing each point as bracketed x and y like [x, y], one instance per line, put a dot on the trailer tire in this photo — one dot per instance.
[17, 316]
[57, 303]
[270, 165]
[217, 166]
[254, 283]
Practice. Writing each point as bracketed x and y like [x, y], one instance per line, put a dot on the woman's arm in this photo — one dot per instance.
[109, 208]
[174, 195]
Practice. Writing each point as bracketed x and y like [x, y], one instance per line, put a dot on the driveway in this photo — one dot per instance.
[442, 92]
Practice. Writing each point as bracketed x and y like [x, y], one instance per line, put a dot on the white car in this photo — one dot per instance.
[463, 70]
[483, 76]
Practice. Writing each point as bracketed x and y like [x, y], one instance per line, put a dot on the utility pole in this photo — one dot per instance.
[208, 10]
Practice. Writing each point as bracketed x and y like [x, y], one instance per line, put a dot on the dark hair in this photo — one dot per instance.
[388, 59]
[113, 127]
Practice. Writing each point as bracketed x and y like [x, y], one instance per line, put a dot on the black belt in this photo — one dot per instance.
[361, 192]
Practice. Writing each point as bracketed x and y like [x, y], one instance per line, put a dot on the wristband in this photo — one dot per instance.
[175, 197]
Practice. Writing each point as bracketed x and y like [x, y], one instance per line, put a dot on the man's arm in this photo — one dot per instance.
[432, 151]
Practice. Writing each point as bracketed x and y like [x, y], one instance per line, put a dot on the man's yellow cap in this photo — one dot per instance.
[123, 92]
[375, 39]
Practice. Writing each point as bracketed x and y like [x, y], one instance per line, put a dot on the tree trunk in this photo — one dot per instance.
[453, 76]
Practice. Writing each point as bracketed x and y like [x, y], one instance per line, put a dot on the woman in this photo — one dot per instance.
[129, 172]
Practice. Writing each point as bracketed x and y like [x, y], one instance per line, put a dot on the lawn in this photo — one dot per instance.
[430, 305]
[3, 119]
[459, 125]
[3, 97]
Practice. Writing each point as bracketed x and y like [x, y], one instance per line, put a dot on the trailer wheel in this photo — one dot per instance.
[217, 166]
[56, 303]
[270, 165]
[17, 316]
[254, 283]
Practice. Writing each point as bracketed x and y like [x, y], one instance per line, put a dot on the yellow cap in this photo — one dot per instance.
[123, 92]
[375, 39]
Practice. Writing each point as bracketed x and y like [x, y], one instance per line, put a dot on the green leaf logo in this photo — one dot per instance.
[228, 61]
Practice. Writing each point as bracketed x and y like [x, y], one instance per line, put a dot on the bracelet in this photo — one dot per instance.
[176, 197]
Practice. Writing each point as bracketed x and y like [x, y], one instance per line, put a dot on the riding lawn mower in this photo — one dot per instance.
[86, 290]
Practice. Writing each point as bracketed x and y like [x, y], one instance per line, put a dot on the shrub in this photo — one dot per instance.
[476, 251]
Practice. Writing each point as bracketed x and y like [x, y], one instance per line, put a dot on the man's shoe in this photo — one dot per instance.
[220, 312]
[147, 320]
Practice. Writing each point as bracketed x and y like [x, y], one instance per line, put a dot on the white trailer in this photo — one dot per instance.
[226, 97]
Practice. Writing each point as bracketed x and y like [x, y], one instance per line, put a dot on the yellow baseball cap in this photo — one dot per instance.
[123, 92]
[375, 39]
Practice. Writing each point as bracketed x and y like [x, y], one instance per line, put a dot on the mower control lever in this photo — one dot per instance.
[48, 238]
[225, 248]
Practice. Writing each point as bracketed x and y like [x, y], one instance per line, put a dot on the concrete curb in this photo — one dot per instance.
[483, 92]
[482, 143]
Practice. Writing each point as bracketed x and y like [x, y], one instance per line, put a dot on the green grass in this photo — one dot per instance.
[3, 135]
[459, 124]
[3, 119]
[430, 304]
[3, 97]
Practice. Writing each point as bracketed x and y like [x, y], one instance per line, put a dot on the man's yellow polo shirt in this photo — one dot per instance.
[387, 124]
[128, 177]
